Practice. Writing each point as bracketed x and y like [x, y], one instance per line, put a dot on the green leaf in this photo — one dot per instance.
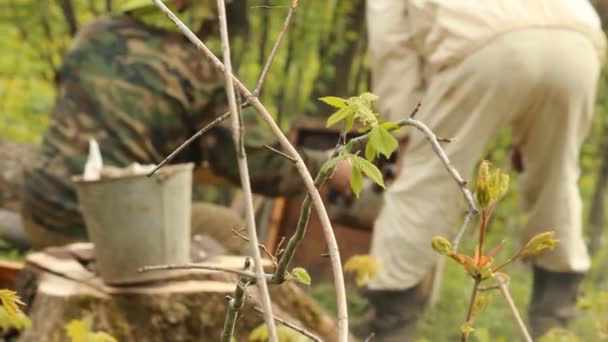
[259, 334]
[349, 122]
[330, 164]
[338, 116]
[301, 275]
[390, 126]
[356, 180]
[370, 152]
[369, 97]
[383, 141]
[79, 330]
[334, 101]
[10, 301]
[365, 113]
[370, 171]
[365, 268]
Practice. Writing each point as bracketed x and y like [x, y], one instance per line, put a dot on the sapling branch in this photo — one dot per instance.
[504, 289]
[298, 235]
[292, 326]
[238, 135]
[235, 304]
[282, 154]
[275, 48]
[246, 274]
[272, 258]
[359, 142]
[317, 201]
[465, 333]
[190, 140]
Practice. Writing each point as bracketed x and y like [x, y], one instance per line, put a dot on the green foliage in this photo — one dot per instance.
[365, 268]
[18, 321]
[491, 186]
[359, 109]
[11, 315]
[81, 331]
[559, 335]
[301, 275]
[10, 302]
[284, 334]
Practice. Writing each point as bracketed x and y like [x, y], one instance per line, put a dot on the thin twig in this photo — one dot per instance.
[235, 305]
[370, 337]
[197, 267]
[520, 322]
[238, 137]
[465, 334]
[272, 258]
[445, 140]
[186, 143]
[415, 111]
[282, 154]
[496, 286]
[432, 138]
[278, 250]
[359, 142]
[292, 326]
[467, 220]
[290, 250]
[317, 201]
[275, 48]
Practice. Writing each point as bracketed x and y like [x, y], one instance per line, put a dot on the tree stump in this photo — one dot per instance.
[60, 286]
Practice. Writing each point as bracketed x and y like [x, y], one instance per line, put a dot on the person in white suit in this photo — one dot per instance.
[477, 66]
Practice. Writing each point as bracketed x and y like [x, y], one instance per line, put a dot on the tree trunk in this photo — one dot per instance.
[338, 57]
[70, 16]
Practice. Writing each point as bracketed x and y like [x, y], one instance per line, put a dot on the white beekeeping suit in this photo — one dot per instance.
[478, 66]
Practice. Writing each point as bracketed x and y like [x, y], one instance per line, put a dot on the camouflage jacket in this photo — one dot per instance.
[140, 92]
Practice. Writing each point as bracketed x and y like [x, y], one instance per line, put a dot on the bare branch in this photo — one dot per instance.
[282, 154]
[275, 48]
[238, 137]
[496, 286]
[467, 220]
[298, 235]
[415, 111]
[236, 304]
[197, 267]
[359, 142]
[342, 309]
[187, 143]
[465, 334]
[520, 322]
[272, 258]
[292, 326]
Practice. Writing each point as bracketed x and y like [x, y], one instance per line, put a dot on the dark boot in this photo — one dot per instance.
[392, 315]
[553, 301]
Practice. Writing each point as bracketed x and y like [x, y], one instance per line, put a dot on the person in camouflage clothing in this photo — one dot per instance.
[140, 91]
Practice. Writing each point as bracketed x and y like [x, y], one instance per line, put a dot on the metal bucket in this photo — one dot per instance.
[137, 221]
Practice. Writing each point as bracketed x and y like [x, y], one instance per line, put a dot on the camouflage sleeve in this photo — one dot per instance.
[270, 173]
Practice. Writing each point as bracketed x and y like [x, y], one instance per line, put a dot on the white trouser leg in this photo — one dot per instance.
[507, 81]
